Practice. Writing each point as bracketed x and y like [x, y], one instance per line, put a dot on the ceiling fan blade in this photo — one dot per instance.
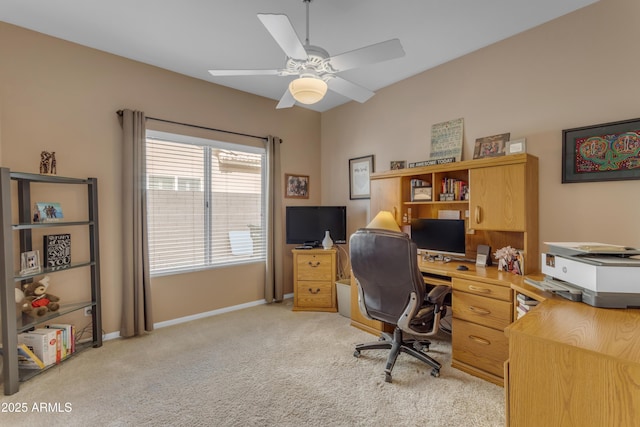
[286, 101]
[219, 73]
[371, 54]
[282, 31]
[348, 89]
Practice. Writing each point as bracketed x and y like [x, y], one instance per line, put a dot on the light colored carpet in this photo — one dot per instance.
[260, 366]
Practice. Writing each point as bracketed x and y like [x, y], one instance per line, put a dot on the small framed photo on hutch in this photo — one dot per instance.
[296, 186]
[491, 146]
[517, 146]
[30, 262]
[604, 152]
[359, 170]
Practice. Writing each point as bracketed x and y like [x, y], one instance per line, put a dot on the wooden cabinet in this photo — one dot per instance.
[386, 195]
[314, 276]
[481, 312]
[571, 364]
[501, 208]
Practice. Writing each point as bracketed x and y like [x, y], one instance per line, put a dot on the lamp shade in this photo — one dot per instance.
[384, 220]
[308, 90]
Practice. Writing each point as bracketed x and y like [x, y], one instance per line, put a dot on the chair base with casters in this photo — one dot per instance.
[410, 336]
[398, 345]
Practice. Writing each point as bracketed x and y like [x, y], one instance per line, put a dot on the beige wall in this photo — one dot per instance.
[61, 97]
[578, 70]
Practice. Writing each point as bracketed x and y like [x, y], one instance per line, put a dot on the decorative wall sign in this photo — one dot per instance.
[446, 139]
[57, 250]
[296, 186]
[359, 170]
[604, 152]
[491, 146]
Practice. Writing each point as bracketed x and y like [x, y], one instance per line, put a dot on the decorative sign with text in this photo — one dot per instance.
[446, 139]
[57, 250]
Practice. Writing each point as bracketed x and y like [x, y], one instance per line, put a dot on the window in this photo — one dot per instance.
[205, 203]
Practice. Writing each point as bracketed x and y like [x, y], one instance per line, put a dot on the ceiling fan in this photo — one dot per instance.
[316, 70]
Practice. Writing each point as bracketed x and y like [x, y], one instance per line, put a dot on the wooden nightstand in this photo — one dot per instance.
[314, 276]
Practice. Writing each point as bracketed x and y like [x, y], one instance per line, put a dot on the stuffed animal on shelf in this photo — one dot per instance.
[36, 301]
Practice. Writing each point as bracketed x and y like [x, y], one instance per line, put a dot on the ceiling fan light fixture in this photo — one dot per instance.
[308, 90]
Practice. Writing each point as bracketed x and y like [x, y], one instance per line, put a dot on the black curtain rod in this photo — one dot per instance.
[264, 138]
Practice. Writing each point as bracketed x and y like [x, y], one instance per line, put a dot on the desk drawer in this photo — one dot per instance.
[485, 311]
[479, 346]
[314, 267]
[314, 294]
[482, 289]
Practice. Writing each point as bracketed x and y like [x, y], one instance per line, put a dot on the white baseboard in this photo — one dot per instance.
[179, 320]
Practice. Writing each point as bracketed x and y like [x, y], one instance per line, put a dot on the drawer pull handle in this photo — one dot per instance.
[314, 265]
[479, 310]
[314, 292]
[479, 290]
[478, 215]
[479, 340]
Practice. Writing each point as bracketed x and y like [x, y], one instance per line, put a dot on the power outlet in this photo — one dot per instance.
[88, 311]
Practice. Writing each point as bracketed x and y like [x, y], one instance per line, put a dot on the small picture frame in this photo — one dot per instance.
[30, 262]
[296, 186]
[47, 212]
[491, 146]
[359, 170]
[398, 164]
[517, 146]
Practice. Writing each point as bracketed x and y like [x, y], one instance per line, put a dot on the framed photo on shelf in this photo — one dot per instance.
[491, 146]
[30, 262]
[604, 152]
[47, 212]
[296, 186]
[398, 164]
[517, 146]
[57, 250]
[359, 170]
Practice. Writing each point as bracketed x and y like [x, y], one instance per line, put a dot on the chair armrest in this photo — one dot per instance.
[437, 294]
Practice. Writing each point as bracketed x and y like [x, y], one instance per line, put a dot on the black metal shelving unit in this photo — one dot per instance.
[11, 323]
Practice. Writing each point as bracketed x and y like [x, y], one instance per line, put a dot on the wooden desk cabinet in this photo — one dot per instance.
[571, 364]
[314, 276]
[481, 311]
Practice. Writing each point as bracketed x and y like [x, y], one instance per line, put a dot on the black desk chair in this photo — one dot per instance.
[391, 289]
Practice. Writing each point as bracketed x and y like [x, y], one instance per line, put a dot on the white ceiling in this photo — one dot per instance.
[193, 36]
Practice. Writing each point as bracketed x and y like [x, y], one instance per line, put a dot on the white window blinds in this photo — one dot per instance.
[205, 203]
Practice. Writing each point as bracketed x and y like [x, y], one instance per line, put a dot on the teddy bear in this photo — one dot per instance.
[34, 300]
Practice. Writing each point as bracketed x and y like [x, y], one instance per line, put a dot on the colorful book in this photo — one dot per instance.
[67, 338]
[27, 358]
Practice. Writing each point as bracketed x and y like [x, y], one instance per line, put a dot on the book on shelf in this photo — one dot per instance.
[27, 359]
[57, 250]
[67, 342]
[525, 300]
[43, 343]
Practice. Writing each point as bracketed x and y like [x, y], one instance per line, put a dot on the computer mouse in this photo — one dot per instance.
[462, 267]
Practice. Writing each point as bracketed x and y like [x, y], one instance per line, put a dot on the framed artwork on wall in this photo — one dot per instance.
[359, 170]
[296, 186]
[604, 152]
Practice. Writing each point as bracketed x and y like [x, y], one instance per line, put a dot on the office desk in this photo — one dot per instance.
[573, 364]
[482, 302]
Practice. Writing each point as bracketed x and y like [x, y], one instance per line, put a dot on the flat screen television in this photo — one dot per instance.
[439, 236]
[306, 225]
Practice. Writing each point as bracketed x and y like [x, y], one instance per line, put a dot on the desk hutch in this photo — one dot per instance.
[501, 210]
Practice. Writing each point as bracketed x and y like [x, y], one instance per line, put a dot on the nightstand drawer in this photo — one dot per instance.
[485, 311]
[479, 346]
[482, 289]
[314, 267]
[314, 294]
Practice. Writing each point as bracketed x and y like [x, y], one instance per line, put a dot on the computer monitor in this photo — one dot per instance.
[439, 236]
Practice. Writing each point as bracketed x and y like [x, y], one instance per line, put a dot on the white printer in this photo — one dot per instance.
[597, 274]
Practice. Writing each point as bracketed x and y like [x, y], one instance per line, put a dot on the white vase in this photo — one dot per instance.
[327, 243]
